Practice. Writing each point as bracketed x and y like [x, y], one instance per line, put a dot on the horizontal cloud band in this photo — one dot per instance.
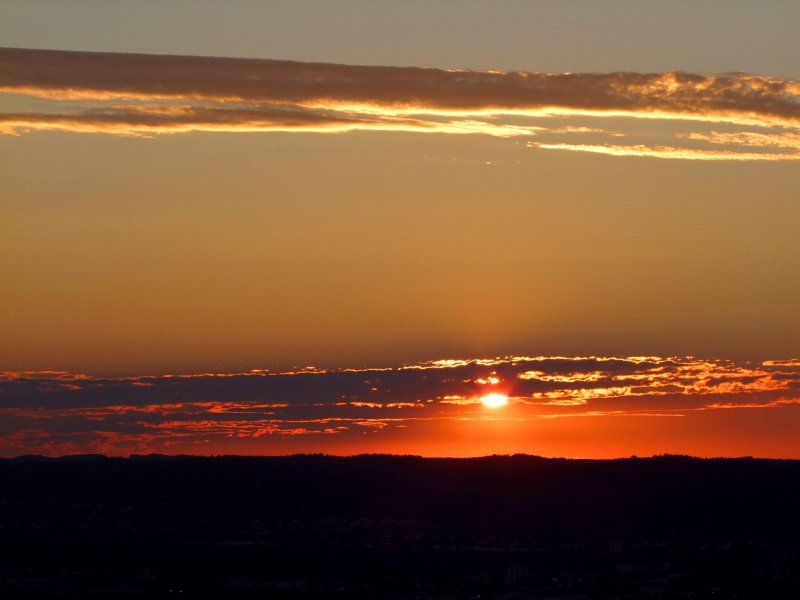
[57, 413]
[150, 94]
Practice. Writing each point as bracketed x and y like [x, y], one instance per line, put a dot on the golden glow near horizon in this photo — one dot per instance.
[612, 406]
[494, 400]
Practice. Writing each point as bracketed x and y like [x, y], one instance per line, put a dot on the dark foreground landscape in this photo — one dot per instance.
[399, 527]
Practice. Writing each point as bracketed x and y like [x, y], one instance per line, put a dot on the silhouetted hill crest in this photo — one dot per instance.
[662, 497]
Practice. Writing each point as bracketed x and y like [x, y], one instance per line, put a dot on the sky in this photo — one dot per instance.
[208, 212]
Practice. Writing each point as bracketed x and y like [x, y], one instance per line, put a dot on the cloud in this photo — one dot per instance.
[56, 412]
[762, 140]
[669, 152]
[131, 94]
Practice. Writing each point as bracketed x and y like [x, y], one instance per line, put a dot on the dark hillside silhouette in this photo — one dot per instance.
[322, 526]
[667, 497]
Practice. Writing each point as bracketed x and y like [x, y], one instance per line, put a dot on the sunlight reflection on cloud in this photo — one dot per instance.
[57, 412]
[148, 95]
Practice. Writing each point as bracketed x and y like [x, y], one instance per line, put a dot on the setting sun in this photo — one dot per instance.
[494, 400]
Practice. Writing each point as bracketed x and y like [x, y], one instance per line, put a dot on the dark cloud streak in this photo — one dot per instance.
[273, 81]
[41, 411]
[173, 94]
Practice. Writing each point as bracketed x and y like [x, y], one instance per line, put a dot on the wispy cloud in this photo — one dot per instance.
[670, 152]
[149, 95]
[57, 412]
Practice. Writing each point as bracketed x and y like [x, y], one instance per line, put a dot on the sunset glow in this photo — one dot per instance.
[412, 228]
[420, 299]
[494, 400]
[616, 406]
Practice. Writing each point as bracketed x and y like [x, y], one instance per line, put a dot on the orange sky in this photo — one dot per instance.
[551, 406]
[524, 182]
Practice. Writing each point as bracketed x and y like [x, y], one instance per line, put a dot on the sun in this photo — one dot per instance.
[494, 400]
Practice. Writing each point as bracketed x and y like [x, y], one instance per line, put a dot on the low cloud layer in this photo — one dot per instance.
[60, 413]
[729, 116]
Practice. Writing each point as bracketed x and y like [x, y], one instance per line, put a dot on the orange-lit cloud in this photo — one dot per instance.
[315, 410]
[131, 94]
[669, 152]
